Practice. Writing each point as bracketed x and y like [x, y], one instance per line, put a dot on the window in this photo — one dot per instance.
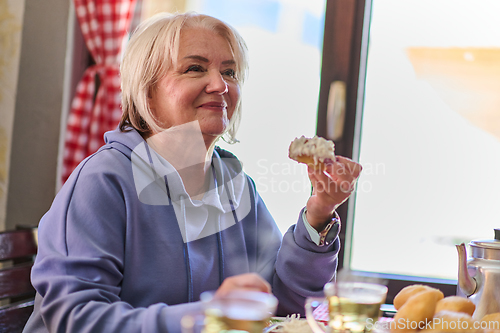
[422, 117]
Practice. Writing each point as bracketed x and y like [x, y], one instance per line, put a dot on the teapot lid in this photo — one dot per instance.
[487, 249]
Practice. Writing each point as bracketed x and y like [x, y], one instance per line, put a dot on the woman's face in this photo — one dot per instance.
[201, 86]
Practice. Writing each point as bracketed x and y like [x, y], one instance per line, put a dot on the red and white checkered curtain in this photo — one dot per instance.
[104, 24]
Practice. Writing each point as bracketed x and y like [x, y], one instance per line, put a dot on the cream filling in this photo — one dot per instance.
[317, 148]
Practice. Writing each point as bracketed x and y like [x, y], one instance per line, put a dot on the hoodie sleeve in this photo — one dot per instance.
[303, 267]
[79, 267]
[298, 267]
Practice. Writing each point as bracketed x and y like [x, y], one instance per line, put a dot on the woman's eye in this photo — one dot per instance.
[229, 72]
[194, 68]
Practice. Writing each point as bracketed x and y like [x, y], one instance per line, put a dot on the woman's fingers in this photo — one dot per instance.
[331, 187]
[349, 166]
[249, 281]
[338, 176]
[343, 169]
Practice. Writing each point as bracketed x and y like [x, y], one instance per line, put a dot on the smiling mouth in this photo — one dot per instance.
[215, 106]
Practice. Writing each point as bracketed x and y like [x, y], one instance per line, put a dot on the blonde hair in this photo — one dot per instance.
[150, 53]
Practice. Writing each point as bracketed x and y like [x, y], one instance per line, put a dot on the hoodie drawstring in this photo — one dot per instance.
[186, 252]
[185, 249]
[219, 235]
[220, 248]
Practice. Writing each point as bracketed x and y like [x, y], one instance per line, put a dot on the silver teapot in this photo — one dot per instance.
[479, 276]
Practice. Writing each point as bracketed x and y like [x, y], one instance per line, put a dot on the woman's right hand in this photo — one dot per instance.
[248, 281]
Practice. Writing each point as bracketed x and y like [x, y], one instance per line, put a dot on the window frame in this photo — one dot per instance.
[345, 50]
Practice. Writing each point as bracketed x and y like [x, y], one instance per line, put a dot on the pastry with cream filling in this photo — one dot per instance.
[315, 151]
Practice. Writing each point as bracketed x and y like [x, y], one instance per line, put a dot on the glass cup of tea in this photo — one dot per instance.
[352, 307]
[241, 311]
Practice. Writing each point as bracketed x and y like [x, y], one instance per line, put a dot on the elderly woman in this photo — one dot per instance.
[160, 214]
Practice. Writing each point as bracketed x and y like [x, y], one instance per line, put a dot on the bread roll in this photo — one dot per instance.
[457, 304]
[492, 317]
[407, 292]
[416, 311]
[491, 323]
[451, 321]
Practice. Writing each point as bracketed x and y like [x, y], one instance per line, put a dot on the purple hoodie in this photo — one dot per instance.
[109, 261]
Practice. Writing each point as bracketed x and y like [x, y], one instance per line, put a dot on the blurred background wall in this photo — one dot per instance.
[33, 47]
[11, 20]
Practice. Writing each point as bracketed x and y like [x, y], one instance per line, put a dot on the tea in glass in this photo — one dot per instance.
[245, 311]
[352, 305]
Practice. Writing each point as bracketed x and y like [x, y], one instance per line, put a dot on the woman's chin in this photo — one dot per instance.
[211, 136]
[214, 129]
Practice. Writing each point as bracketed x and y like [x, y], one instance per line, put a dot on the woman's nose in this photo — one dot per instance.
[216, 84]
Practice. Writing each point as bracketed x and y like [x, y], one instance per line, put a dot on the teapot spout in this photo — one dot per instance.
[466, 283]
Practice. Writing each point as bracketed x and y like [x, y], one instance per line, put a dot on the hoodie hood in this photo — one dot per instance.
[157, 182]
